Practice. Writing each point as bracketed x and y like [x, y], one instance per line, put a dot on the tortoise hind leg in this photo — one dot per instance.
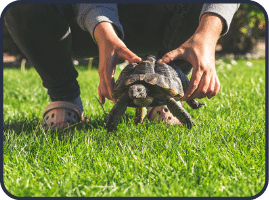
[116, 113]
[179, 112]
[140, 114]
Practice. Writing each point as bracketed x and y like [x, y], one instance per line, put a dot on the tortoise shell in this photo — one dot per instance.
[161, 78]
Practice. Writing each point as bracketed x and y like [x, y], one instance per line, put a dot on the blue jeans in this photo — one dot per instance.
[149, 29]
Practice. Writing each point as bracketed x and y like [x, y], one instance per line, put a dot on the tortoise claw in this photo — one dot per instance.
[194, 103]
[179, 112]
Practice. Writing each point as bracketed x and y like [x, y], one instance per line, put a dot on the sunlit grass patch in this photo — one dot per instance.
[224, 155]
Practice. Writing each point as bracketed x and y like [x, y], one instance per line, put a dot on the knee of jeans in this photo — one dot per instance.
[23, 16]
[17, 14]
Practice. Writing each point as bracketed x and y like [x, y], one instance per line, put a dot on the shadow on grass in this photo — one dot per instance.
[98, 122]
[19, 126]
[27, 126]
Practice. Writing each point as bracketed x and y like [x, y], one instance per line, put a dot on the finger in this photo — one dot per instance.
[110, 88]
[127, 54]
[216, 88]
[110, 83]
[211, 87]
[109, 76]
[194, 83]
[102, 88]
[110, 66]
[101, 97]
[172, 55]
[202, 89]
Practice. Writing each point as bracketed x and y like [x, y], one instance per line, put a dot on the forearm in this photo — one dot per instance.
[225, 11]
[104, 32]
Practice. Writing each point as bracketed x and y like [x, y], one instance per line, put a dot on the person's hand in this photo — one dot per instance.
[111, 50]
[199, 50]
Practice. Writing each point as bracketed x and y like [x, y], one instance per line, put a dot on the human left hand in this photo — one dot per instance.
[199, 50]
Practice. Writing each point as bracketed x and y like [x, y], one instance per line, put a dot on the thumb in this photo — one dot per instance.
[172, 55]
[127, 54]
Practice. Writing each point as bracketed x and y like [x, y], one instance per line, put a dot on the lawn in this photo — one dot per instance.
[224, 155]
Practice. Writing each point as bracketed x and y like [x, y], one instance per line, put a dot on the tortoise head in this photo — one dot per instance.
[137, 91]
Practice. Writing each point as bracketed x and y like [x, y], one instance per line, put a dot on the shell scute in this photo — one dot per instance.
[161, 76]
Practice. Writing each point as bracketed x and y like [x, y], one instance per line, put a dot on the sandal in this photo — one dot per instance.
[60, 115]
[163, 113]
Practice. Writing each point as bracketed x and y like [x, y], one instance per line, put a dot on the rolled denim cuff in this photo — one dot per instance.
[67, 92]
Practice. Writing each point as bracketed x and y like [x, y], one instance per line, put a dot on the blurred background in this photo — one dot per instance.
[245, 39]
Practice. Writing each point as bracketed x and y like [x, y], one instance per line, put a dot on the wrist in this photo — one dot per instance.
[105, 32]
[210, 26]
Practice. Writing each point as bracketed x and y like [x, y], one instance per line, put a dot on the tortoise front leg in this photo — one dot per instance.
[140, 114]
[194, 103]
[179, 112]
[117, 112]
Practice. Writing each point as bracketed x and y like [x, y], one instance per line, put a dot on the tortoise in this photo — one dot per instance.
[149, 84]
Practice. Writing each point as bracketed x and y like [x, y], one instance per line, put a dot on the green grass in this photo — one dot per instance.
[224, 155]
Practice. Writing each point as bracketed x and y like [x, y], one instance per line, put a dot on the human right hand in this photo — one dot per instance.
[111, 50]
